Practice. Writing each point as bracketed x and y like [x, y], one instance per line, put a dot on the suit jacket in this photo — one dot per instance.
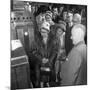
[74, 70]
[68, 41]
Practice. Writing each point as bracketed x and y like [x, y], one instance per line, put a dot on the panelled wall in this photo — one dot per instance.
[22, 28]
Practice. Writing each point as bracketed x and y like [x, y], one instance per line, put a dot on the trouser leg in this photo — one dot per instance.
[37, 76]
[52, 78]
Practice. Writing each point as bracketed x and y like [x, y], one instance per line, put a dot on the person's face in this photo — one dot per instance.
[61, 8]
[59, 31]
[26, 7]
[76, 19]
[48, 18]
[44, 33]
[33, 8]
[70, 17]
[75, 36]
[55, 11]
[64, 15]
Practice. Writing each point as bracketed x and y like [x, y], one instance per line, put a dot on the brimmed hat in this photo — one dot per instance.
[46, 26]
[62, 25]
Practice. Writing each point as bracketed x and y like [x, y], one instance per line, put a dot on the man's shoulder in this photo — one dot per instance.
[81, 48]
[73, 53]
[77, 51]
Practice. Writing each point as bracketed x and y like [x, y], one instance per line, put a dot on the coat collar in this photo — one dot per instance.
[81, 42]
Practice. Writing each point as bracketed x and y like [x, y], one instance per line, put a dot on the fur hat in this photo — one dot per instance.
[62, 25]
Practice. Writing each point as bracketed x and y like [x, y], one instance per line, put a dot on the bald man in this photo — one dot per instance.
[74, 69]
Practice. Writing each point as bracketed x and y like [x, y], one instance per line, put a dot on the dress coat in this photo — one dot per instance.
[74, 69]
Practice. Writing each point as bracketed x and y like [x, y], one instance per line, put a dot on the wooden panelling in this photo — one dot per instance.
[31, 34]
[20, 71]
[13, 34]
[13, 79]
[20, 77]
[26, 34]
[20, 34]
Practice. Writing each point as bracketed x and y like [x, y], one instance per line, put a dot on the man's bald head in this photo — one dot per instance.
[78, 33]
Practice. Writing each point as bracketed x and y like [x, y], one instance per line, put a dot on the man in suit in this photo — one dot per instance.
[74, 69]
[68, 41]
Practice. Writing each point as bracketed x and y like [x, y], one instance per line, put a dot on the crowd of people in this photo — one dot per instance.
[57, 55]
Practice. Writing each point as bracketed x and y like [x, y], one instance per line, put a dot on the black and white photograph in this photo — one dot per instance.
[48, 44]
